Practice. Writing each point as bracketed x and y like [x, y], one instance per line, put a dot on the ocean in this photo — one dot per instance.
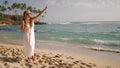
[103, 35]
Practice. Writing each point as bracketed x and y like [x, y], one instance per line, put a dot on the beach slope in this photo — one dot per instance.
[11, 56]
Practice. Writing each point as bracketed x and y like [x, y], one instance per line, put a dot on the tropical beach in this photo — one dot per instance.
[70, 34]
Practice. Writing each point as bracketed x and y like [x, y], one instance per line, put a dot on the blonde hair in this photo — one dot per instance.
[25, 17]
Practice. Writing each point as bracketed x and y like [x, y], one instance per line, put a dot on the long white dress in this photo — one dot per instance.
[29, 41]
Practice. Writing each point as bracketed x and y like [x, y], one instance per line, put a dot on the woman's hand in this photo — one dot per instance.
[46, 6]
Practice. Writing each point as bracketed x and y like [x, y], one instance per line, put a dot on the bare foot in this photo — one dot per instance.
[28, 60]
[33, 58]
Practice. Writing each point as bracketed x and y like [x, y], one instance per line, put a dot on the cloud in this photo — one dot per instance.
[86, 3]
[51, 2]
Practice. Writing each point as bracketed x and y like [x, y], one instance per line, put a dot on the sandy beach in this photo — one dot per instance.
[11, 56]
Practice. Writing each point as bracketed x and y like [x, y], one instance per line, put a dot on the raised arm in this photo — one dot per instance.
[37, 16]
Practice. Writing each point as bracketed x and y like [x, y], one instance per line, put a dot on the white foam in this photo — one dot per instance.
[102, 49]
[65, 23]
[99, 41]
[59, 23]
[91, 23]
[65, 39]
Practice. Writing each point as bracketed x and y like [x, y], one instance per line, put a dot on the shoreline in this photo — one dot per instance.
[53, 43]
[102, 59]
[3, 24]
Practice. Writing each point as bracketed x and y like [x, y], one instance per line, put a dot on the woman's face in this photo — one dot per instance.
[29, 14]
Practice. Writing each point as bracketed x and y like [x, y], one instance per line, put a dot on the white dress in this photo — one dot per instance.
[29, 41]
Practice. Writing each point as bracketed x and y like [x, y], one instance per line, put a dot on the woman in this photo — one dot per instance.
[27, 27]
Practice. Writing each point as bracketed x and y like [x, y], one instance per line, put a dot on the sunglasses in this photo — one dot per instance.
[29, 13]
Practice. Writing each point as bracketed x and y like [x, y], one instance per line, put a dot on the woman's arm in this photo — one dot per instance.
[36, 17]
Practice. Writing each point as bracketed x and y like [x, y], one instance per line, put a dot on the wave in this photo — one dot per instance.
[60, 23]
[91, 23]
[99, 41]
[103, 49]
[99, 44]
[90, 44]
[42, 31]
[65, 39]
[108, 46]
[107, 43]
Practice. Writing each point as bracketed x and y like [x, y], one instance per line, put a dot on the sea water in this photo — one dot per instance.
[91, 34]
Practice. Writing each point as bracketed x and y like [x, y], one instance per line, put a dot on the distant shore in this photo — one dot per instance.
[3, 24]
[37, 23]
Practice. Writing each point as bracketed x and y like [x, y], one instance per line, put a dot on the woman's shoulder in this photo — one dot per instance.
[32, 19]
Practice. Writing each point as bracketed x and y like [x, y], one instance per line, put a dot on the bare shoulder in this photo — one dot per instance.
[32, 20]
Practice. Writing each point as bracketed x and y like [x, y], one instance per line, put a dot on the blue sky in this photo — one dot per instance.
[77, 10]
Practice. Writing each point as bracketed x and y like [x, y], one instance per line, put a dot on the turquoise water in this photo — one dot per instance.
[103, 34]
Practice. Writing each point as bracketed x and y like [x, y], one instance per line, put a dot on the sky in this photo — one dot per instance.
[77, 10]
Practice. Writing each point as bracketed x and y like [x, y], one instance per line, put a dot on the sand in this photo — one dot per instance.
[11, 56]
